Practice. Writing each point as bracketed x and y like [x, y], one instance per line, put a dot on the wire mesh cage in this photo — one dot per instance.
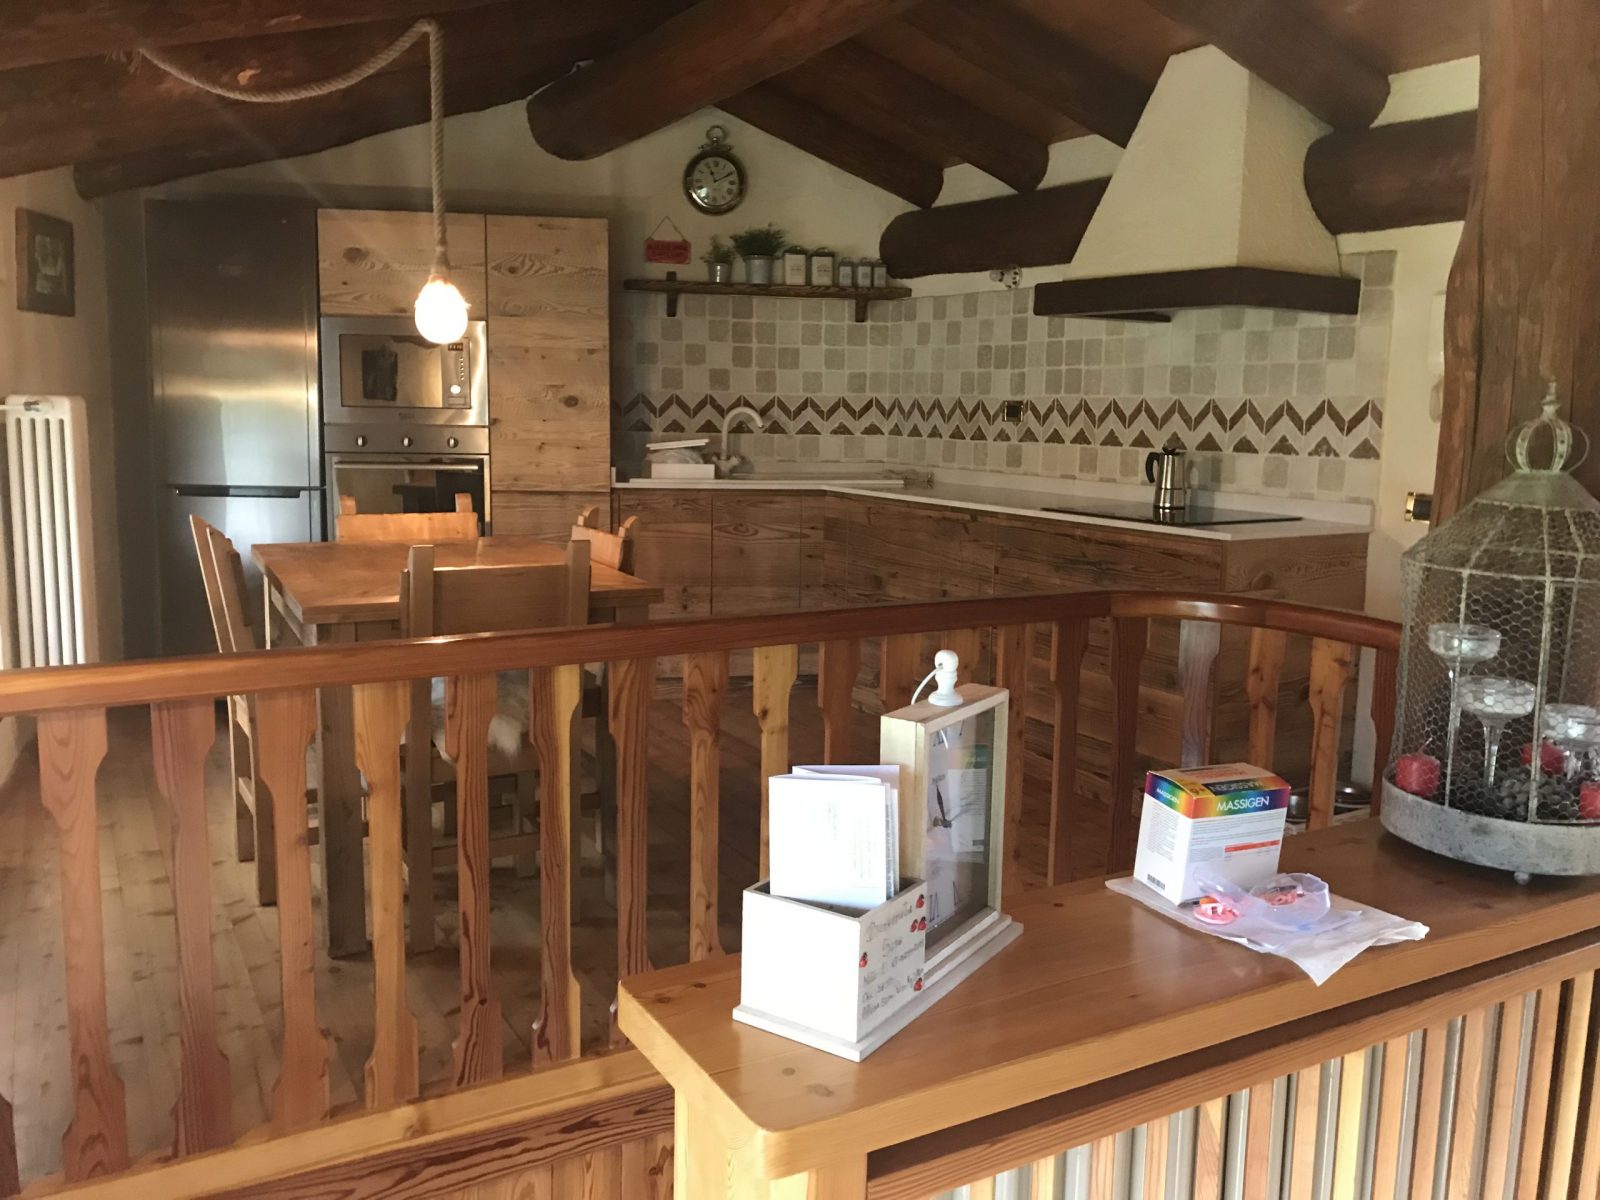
[1496, 755]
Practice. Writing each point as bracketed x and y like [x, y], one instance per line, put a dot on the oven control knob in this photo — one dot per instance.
[452, 442]
[406, 441]
[361, 439]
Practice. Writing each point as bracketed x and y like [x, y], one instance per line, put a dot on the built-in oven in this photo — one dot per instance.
[389, 469]
[381, 371]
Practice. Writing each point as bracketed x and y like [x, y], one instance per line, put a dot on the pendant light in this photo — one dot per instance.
[440, 310]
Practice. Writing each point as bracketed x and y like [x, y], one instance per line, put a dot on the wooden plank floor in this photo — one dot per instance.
[141, 939]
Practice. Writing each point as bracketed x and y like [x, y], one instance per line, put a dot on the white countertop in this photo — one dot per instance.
[1028, 496]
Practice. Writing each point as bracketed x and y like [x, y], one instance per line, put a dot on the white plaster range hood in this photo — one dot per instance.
[1207, 206]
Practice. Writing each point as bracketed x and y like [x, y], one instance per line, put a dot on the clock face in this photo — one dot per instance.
[714, 182]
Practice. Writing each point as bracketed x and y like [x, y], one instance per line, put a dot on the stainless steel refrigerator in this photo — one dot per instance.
[232, 296]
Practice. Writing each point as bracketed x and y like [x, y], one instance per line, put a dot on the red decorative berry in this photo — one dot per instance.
[863, 959]
[919, 901]
[917, 986]
[913, 925]
[923, 923]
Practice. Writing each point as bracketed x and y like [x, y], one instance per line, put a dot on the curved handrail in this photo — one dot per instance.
[46, 689]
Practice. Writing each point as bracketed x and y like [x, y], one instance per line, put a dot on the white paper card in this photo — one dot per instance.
[834, 835]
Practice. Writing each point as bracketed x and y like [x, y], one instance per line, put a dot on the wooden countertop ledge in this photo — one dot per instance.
[1096, 987]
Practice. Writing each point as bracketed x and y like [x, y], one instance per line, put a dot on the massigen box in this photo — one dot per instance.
[1225, 820]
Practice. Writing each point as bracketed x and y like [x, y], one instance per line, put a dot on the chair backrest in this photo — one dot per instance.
[414, 528]
[496, 599]
[609, 549]
[222, 573]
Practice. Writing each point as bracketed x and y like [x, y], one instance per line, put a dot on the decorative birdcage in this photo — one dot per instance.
[1496, 755]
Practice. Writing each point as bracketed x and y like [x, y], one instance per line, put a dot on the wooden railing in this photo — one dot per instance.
[71, 705]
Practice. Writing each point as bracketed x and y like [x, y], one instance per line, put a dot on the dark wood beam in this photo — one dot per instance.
[242, 134]
[932, 122]
[1038, 61]
[883, 164]
[35, 32]
[698, 57]
[1213, 287]
[92, 108]
[1409, 173]
[1291, 45]
[1031, 229]
[1521, 303]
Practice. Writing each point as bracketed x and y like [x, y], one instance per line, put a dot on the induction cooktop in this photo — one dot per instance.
[1192, 516]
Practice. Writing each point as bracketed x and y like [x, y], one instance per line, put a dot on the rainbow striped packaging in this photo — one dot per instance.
[1226, 820]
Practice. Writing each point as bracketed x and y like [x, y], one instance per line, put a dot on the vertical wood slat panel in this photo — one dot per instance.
[705, 678]
[381, 712]
[1331, 664]
[1386, 1168]
[1211, 1120]
[554, 695]
[1069, 641]
[1570, 1091]
[1589, 1107]
[285, 723]
[900, 668]
[1301, 1157]
[1385, 695]
[1542, 1085]
[1011, 672]
[1430, 1109]
[1046, 1181]
[71, 748]
[420, 933]
[10, 1176]
[1261, 685]
[839, 662]
[1102, 1167]
[1129, 637]
[181, 736]
[1348, 1128]
[1156, 1136]
[1258, 1141]
[470, 702]
[1471, 1072]
[775, 668]
[630, 728]
[1502, 1099]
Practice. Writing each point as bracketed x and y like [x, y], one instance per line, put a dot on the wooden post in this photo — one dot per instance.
[775, 670]
[1526, 281]
[705, 678]
[553, 702]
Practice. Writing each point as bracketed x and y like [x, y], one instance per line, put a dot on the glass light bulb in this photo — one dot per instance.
[441, 311]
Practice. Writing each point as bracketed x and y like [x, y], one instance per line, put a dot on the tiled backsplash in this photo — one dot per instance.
[1273, 402]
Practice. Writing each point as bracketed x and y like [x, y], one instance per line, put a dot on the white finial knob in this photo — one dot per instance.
[945, 665]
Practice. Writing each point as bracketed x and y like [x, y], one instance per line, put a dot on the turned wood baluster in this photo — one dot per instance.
[1385, 695]
[839, 662]
[553, 702]
[1069, 641]
[10, 1177]
[1198, 645]
[469, 707]
[181, 735]
[705, 678]
[900, 669]
[1571, 1095]
[285, 722]
[775, 670]
[71, 748]
[1011, 673]
[381, 711]
[968, 645]
[1261, 686]
[1331, 666]
[631, 680]
[1129, 636]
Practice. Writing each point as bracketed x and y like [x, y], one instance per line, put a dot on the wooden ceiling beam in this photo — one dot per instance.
[241, 134]
[70, 112]
[1291, 45]
[932, 122]
[1409, 173]
[35, 32]
[1031, 229]
[698, 57]
[883, 164]
[1038, 62]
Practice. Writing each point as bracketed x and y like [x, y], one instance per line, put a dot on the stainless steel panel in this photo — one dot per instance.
[259, 515]
[396, 483]
[380, 371]
[233, 310]
[405, 439]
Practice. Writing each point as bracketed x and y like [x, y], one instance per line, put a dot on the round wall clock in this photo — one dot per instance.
[714, 180]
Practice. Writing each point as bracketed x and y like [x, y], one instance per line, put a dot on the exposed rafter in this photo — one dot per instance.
[95, 108]
[699, 57]
[1038, 61]
[1291, 46]
[1410, 173]
[772, 109]
[933, 123]
[1030, 229]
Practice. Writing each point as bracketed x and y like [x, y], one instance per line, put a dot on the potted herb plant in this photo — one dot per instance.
[719, 261]
[759, 247]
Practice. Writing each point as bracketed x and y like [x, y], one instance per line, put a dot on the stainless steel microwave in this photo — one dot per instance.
[380, 370]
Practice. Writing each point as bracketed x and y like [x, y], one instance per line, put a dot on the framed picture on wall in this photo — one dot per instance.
[45, 270]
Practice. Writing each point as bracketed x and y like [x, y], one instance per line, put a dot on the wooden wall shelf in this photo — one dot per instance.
[673, 288]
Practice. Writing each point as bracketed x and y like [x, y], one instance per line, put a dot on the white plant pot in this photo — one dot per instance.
[758, 270]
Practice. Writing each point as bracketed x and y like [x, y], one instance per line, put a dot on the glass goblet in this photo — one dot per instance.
[1496, 702]
[1460, 647]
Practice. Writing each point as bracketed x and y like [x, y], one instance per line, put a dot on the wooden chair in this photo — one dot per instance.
[614, 550]
[222, 572]
[438, 601]
[413, 528]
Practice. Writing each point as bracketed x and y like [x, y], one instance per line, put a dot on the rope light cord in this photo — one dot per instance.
[308, 91]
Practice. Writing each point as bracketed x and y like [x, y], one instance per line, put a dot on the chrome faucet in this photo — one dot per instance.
[727, 461]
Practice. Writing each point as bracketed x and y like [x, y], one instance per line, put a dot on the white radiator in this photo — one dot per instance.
[47, 579]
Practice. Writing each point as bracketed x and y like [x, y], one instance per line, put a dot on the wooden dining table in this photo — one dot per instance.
[318, 593]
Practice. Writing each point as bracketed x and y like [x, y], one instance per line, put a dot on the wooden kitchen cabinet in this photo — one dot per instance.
[673, 549]
[373, 264]
[758, 542]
